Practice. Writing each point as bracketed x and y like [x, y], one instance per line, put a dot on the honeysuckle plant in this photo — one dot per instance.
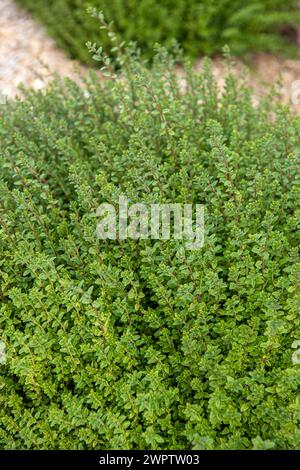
[132, 344]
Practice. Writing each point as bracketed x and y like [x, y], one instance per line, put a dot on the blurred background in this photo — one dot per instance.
[39, 38]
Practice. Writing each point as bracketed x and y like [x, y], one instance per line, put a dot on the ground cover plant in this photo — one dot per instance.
[132, 344]
[200, 26]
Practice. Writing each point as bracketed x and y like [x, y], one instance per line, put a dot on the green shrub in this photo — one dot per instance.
[200, 26]
[132, 344]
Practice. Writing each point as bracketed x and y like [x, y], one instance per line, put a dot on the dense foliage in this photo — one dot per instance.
[200, 26]
[143, 343]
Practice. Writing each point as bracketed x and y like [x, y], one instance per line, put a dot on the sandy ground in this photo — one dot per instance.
[28, 56]
[266, 70]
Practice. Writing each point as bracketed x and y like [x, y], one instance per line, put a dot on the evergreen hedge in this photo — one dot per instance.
[200, 26]
[142, 343]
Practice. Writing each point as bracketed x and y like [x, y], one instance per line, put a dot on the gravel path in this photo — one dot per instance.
[266, 70]
[29, 56]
